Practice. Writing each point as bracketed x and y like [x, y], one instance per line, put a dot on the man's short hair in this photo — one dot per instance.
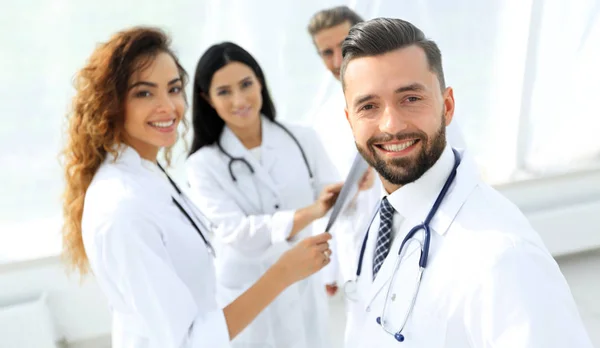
[331, 17]
[382, 35]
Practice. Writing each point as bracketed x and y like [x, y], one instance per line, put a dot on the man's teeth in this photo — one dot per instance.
[165, 124]
[398, 147]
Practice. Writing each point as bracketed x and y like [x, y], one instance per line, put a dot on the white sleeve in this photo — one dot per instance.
[250, 234]
[137, 263]
[524, 302]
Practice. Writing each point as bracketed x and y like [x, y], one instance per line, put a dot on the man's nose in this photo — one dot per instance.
[392, 121]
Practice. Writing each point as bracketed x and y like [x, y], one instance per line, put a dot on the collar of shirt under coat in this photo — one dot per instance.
[269, 150]
[414, 200]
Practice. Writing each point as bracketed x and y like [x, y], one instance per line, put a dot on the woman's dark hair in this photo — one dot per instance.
[207, 124]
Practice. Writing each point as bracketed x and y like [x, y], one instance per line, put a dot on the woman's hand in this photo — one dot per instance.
[305, 258]
[301, 261]
[305, 216]
[367, 180]
[326, 200]
[331, 289]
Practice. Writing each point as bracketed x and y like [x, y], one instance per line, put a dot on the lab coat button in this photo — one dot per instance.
[276, 206]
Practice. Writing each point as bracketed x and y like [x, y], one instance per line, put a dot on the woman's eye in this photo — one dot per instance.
[142, 94]
[176, 89]
[246, 84]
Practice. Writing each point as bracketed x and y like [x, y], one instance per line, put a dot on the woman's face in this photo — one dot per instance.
[235, 93]
[154, 106]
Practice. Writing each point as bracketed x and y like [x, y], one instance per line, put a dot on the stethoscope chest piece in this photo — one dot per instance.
[350, 288]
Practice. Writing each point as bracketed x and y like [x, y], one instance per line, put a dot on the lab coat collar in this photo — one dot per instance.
[231, 144]
[143, 171]
[414, 201]
[128, 156]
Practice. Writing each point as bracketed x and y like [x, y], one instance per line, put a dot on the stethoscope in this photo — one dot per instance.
[232, 159]
[210, 248]
[350, 287]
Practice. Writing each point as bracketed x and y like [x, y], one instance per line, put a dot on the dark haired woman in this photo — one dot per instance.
[263, 184]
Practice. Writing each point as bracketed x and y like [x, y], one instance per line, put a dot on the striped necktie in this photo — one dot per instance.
[384, 240]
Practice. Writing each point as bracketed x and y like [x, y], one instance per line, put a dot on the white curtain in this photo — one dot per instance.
[562, 126]
[525, 74]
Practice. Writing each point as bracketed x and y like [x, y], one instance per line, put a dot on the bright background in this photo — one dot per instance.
[525, 75]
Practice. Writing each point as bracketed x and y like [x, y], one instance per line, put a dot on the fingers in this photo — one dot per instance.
[326, 255]
[318, 239]
[335, 188]
[323, 247]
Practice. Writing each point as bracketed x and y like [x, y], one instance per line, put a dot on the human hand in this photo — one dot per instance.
[326, 200]
[306, 258]
[367, 180]
[331, 289]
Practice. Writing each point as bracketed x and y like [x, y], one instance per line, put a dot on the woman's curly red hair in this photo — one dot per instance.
[95, 124]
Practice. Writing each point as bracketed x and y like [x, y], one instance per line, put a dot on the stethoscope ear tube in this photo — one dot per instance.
[210, 248]
[243, 160]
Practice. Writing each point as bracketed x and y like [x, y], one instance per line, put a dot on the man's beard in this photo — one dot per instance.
[402, 171]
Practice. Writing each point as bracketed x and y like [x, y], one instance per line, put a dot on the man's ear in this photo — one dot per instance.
[348, 117]
[448, 105]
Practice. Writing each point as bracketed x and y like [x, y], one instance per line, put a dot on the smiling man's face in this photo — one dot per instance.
[398, 113]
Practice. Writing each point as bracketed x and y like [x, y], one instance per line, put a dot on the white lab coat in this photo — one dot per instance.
[490, 282]
[253, 219]
[335, 133]
[150, 262]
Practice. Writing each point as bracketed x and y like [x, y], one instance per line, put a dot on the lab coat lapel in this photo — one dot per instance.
[270, 150]
[366, 274]
[410, 256]
[246, 183]
[270, 154]
[465, 182]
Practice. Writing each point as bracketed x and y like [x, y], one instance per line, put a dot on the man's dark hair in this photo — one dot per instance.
[382, 35]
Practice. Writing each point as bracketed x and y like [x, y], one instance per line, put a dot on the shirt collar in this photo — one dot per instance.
[414, 201]
[232, 144]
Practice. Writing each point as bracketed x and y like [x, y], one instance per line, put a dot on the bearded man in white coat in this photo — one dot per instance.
[447, 261]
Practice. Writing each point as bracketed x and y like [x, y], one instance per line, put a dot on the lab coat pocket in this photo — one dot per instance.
[426, 329]
[290, 296]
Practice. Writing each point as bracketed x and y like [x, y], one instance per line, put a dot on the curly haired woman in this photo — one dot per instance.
[126, 220]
